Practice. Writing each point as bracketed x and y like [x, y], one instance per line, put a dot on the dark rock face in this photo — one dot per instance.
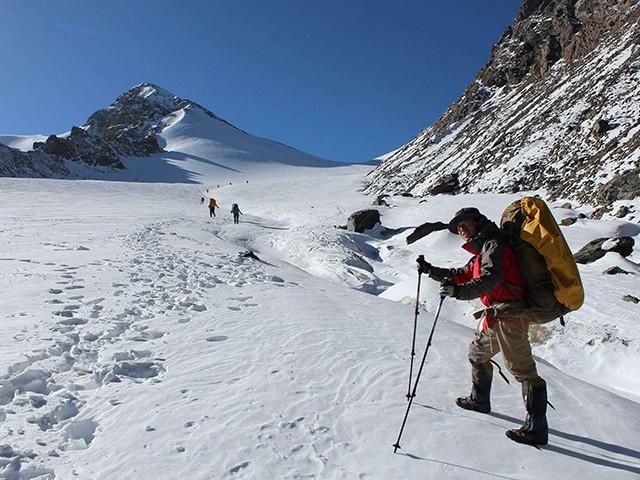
[57, 146]
[566, 72]
[14, 163]
[81, 146]
[363, 220]
[594, 250]
[625, 186]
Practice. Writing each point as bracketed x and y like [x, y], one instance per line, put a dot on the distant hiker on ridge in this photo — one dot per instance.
[212, 207]
[493, 276]
[201, 200]
[236, 213]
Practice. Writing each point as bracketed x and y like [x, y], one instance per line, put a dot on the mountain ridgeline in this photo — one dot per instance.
[128, 127]
[557, 107]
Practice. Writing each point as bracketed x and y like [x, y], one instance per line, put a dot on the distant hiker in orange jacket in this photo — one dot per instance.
[212, 207]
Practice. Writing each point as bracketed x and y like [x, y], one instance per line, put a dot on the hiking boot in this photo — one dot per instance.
[469, 403]
[479, 399]
[535, 430]
[522, 435]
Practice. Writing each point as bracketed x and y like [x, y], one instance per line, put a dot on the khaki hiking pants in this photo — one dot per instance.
[511, 337]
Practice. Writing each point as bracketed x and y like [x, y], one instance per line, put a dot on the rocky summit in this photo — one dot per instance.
[556, 107]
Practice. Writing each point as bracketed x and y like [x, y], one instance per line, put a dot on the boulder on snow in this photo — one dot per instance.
[568, 221]
[249, 254]
[631, 298]
[615, 271]
[597, 248]
[600, 128]
[446, 184]
[380, 200]
[622, 212]
[363, 220]
[565, 205]
[424, 230]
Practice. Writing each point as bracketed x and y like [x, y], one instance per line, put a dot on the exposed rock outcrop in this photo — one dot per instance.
[555, 107]
[597, 249]
[14, 163]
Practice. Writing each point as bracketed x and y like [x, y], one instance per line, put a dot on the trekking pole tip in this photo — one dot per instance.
[396, 446]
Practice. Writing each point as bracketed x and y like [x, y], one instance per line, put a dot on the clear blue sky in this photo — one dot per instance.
[347, 80]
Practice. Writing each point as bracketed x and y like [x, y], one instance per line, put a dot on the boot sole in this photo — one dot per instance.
[522, 440]
[471, 409]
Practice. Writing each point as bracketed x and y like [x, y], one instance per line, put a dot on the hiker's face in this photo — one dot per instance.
[467, 229]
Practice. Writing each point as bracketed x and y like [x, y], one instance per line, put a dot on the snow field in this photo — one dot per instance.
[138, 343]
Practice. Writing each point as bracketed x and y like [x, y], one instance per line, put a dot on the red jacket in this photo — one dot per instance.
[493, 274]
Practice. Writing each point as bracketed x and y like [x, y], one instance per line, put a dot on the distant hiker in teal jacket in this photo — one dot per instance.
[236, 213]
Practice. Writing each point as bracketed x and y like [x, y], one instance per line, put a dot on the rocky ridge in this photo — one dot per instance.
[127, 127]
[556, 107]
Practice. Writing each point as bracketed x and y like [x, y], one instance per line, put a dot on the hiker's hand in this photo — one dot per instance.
[423, 265]
[447, 290]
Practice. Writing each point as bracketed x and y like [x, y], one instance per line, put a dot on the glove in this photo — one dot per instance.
[447, 290]
[423, 265]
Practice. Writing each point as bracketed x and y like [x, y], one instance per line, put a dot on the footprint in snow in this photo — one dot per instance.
[238, 468]
[241, 299]
[137, 369]
[217, 338]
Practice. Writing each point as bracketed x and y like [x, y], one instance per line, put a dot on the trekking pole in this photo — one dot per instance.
[396, 445]
[509, 383]
[415, 326]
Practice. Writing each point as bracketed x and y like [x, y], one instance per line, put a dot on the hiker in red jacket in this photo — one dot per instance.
[493, 276]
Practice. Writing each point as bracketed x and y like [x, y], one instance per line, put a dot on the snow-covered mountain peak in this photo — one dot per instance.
[147, 120]
[156, 94]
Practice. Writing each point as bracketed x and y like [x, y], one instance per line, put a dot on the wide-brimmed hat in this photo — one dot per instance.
[468, 213]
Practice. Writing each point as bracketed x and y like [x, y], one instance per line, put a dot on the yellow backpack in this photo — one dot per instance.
[552, 281]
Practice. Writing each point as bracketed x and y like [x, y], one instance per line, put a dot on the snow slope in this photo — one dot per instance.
[200, 148]
[137, 343]
[24, 143]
